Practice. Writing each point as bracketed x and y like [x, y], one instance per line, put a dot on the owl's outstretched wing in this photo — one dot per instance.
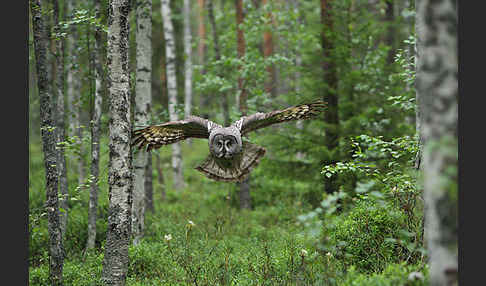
[155, 136]
[260, 120]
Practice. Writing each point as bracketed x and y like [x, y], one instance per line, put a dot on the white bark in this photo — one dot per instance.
[172, 89]
[437, 89]
[115, 263]
[143, 99]
[188, 59]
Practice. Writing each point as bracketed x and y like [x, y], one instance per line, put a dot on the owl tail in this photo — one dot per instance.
[235, 170]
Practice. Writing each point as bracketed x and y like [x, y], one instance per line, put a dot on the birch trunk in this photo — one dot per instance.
[48, 134]
[217, 54]
[172, 89]
[115, 263]
[143, 101]
[58, 76]
[95, 136]
[437, 88]
[188, 59]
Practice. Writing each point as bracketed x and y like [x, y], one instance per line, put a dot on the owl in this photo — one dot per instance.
[230, 158]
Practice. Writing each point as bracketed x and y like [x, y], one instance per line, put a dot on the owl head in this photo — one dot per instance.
[225, 143]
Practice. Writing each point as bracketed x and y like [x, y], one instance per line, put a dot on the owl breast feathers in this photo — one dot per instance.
[230, 159]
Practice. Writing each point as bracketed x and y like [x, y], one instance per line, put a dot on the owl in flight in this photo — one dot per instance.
[230, 158]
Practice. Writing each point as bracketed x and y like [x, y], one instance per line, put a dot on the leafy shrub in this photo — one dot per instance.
[393, 275]
[363, 236]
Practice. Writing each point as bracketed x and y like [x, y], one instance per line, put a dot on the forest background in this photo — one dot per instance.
[338, 200]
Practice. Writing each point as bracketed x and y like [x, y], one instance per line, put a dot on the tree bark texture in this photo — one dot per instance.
[115, 263]
[95, 135]
[270, 86]
[149, 187]
[58, 76]
[143, 102]
[188, 59]
[298, 64]
[172, 89]
[240, 49]
[217, 56]
[201, 53]
[331, 118]
[391, 33]
[48, 134]
[73, 92]
[245, 198]
[160, 176]
[437, 88]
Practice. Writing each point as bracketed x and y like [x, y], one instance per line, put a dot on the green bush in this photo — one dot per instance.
[393, 275]
[363, 236]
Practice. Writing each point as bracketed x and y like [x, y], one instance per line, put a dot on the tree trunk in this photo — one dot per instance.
[149, 187]
[160, 176]
[73, 82]
[270, 86]
[391, 33]
[245, 198]
[41, 40]
[115, 263]
[143, 101]
[188, 59]
[172, 89]
[58, 76]
[201, 53]
[331, 118]
[217, 54]
[437, 88]
[298, 65]
[95, 135]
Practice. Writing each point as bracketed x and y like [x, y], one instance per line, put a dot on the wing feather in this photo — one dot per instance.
[155, 136]
[260, 120]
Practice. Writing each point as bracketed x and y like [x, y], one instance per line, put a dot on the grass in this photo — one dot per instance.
[226, 246]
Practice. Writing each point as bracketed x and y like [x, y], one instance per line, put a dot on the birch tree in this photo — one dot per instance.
[143, 101]
[172, 88]
[115, 263]
[95, 134]
[188, 59]
[437, 88]
[58, 86]
[48, 135]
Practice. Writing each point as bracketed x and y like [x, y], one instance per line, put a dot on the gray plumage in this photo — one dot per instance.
[229, 159]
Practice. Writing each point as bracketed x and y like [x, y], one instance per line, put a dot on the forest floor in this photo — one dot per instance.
[199, 236]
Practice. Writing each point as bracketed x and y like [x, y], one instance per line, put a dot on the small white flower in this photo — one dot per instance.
[191, 224]
[303, 252]
[329, 254]
[415, 276]
[168, 237]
